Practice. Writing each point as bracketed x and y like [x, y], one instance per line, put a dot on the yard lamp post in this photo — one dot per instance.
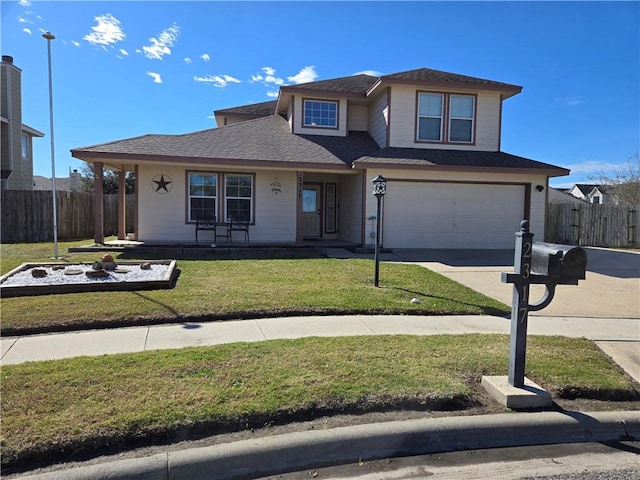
[379, 190]
[49, 36]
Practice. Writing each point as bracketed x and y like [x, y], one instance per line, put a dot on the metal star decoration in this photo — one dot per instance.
[162, 184]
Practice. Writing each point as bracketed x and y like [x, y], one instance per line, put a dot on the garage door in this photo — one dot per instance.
[451, 215]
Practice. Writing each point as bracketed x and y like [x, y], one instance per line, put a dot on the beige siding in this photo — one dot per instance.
[378, 117]
[162, 217]
[350, 212]
[357, 117]
[403, 121]
[342, 117]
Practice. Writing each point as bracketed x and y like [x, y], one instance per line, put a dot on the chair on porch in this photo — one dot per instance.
[210, 223]
[238, 224]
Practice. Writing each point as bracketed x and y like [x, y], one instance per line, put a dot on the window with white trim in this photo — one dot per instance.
[320, 113]
[203, 193]
[445, 118]
[430, 115]
[238, 197]
[25, 145]
[461, 109]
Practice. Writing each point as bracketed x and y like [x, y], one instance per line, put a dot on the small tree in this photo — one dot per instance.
[109, 180]
[625, 182]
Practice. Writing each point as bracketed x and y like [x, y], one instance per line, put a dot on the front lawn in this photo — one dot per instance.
[219, 288]
[52, 410]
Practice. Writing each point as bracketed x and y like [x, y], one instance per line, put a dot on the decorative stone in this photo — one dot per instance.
[58, 267]
[121, 270]
[73, 271]
[97, 273]
[38, 273]
[145, 266]
[97, 266]
[107, 258]
[109, 265]
[415, 300]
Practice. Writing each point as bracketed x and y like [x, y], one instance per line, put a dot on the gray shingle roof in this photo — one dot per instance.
[428, 75]
[414, 157]
[261, 109]
[354, 84]
[267, 139]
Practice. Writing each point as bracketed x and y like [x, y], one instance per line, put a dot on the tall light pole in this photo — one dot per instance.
[49, 36]
[379, 190]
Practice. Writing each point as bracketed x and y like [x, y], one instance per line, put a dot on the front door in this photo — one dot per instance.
[311, 212]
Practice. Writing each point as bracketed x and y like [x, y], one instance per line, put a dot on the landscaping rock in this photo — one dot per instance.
[145, 266]
[39, 272]
[97, 273]
[58, 267]
[107, 258]
[73, 271]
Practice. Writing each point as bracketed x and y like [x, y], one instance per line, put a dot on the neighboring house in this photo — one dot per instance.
[593, 193]
[300, 168]
[561, 195]
[72, 183]
[16, 139]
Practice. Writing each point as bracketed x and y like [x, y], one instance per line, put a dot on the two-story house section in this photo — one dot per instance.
[16, 139]
[300, 168]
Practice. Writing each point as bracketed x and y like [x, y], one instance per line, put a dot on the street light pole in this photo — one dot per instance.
[49, 36]
[379, 190]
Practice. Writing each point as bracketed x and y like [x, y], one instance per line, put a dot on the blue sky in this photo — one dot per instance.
[123, 69]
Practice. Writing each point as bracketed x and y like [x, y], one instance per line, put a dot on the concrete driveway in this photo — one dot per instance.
[611, 289]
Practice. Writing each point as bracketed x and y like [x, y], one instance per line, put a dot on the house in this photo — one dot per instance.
[561, 195]
[593, 193]
[16, 149]
[301, 168]
[72, 183]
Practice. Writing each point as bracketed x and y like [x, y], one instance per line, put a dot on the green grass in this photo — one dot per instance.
[50, 409]
[221, 289]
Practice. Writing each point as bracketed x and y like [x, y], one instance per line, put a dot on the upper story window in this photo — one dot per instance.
[25, 145]
[320, 113]
[445, 118]
[203, 193]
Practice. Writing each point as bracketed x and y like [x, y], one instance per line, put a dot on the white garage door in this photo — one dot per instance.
[451, 215]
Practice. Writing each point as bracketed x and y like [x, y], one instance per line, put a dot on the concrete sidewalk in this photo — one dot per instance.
[619, 338]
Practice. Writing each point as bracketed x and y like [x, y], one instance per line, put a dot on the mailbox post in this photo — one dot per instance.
[543, 264]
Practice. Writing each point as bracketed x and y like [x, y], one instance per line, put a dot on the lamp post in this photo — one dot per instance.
[49, 36]
[379, 190]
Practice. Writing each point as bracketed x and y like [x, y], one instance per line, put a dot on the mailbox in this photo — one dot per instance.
[562, 262]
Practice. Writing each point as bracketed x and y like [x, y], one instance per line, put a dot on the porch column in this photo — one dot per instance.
[299, 186]
[98, 204]
[122, 205]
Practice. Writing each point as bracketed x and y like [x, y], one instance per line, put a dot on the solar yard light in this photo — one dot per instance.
[379, 190]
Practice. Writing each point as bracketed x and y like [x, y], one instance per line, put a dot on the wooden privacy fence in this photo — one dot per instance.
[27, 216]
[593, 225]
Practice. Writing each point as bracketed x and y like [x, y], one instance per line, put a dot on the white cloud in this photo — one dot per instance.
[570, 101]
[75, 44]
[156, 77]
[272, 94]
[187, 60]
[373, 73]
[24, 3]
[205, 57]
[106, 32]
[270, 77]
[219, 81]
[269, 70]
[256, 78]
[123, 52]
[592, 166]
[27, 30]
[307, 74]
[24, 20]
[160, 45]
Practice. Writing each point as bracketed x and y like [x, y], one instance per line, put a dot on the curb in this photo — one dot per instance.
[315, 449]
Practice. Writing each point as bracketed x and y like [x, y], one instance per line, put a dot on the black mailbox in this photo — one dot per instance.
[562, 262]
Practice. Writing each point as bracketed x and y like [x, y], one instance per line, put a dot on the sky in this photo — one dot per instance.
[121, 69]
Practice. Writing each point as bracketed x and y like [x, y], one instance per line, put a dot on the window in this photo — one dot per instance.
[461, 118]
[239, 197]
[430, 114]
[25, 145]
[445, 118]
[203, 189]
[319, 113]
